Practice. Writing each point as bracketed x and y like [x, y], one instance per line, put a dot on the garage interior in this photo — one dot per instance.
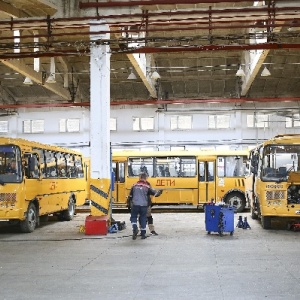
[196, 47]
[183, 56]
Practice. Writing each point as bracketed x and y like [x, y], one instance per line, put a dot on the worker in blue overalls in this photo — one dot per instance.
[139, 196]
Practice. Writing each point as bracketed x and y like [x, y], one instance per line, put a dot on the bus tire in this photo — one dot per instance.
[29, 224]
[265, 222]
[237, 200]
[68, 214]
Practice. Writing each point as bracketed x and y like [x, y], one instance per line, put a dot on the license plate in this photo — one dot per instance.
[297, 212]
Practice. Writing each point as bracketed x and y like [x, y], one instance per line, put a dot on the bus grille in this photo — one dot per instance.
[8, 199]
[275, 195]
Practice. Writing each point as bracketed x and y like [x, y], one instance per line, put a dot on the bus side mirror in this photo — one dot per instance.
[254, 164]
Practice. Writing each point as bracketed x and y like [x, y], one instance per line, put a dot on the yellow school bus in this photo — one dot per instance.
[273, 184]
[186, 177]
[37, 180]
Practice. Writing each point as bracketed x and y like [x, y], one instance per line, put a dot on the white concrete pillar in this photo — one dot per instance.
[100, 105]
[100, 168]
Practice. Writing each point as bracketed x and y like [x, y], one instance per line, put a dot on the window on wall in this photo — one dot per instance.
[143, 124]
[259, 121]
[181, 122]
[113, 124]
[33, 126]
[3, 126]
[218, 121]
[293, 121]
[69, 125]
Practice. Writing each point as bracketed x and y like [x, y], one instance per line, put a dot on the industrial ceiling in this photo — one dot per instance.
[197, 47]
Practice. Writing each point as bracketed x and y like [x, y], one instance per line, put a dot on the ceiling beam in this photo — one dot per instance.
[20, 67]
[11, 11]
[141, 62]
[255, 59]
[141, 69]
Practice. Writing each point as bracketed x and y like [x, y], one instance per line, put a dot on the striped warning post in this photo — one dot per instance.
[100, 197]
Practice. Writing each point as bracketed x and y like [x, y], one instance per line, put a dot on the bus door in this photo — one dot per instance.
[206, 181]
[118, 194]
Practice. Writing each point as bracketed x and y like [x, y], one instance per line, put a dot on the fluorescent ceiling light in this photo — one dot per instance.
[265, 72]
[131, 75]
[51, 79]
[155, 75]
[27, 81]
[240, 72]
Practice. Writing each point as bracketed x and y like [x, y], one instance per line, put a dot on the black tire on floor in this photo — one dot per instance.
[236, 199]
[29, 224]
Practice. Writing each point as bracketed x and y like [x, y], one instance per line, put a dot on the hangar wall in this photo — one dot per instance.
[238, 135]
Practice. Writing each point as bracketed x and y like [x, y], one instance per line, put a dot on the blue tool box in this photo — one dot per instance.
[219, 218]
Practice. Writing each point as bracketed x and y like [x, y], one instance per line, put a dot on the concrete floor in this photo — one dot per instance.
[57, 261]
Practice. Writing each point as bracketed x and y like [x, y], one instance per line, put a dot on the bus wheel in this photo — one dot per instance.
[30, 222]
[237, 200]
[265, 222]
[68, 214]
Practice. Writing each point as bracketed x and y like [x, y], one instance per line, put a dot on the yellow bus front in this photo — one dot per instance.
[12, 191]
[276, 184]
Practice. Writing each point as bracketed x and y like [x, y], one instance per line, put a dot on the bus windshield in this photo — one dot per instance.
[10, 164]
[278, 161]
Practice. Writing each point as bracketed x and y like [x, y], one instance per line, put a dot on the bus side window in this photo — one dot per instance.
[31, 166]
[144, 170]
[201, 172]
[121, 172]
[130, 171]
[210, 171]
[61, 162]
[77, 172]
[161, 171]
[167, 172]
